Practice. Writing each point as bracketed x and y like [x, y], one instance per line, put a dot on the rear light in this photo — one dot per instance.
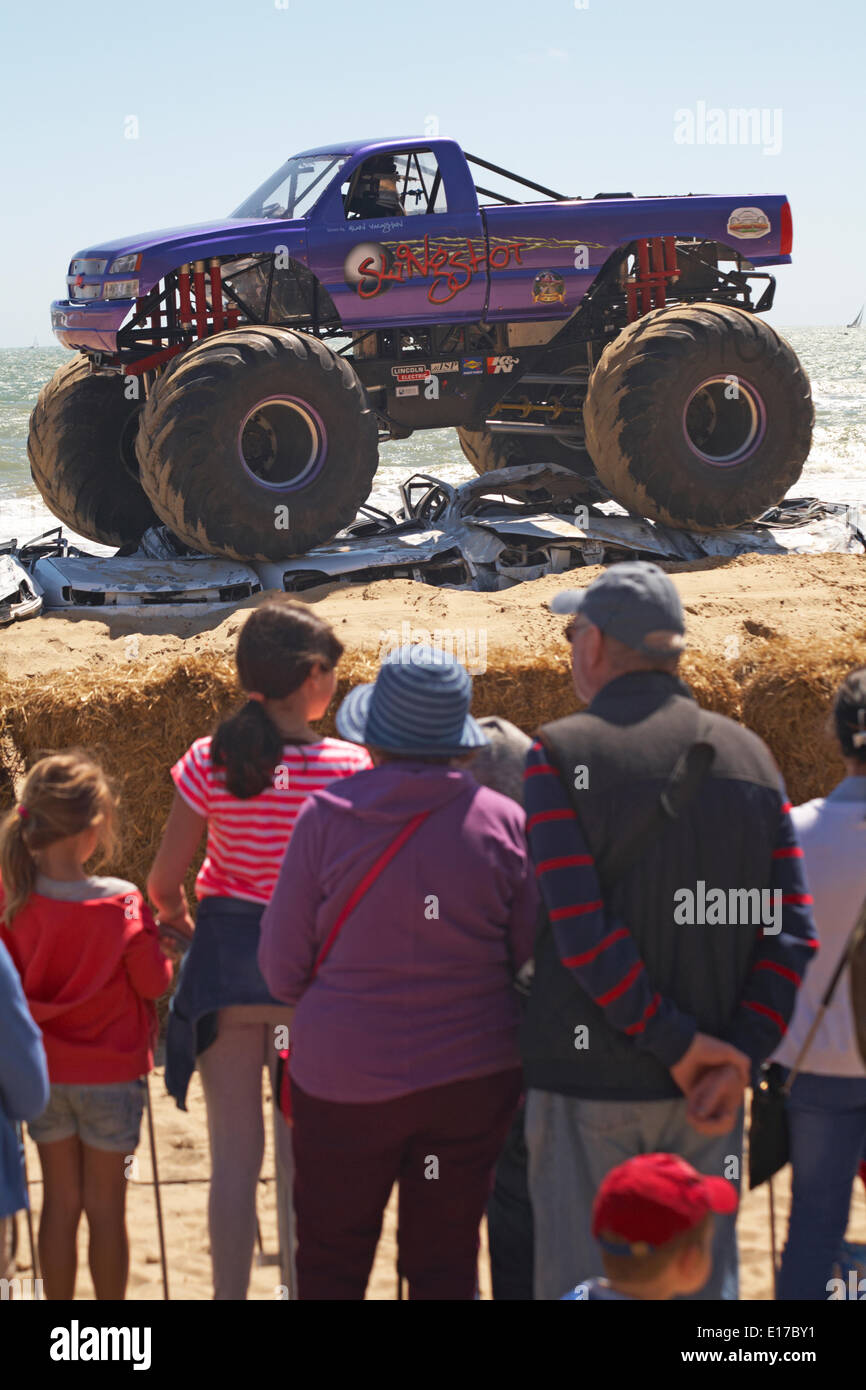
[787, 234]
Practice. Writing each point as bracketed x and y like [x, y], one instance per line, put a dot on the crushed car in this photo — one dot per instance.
[491, 533]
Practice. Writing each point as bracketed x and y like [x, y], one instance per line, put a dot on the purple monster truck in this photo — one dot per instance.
[233, 380]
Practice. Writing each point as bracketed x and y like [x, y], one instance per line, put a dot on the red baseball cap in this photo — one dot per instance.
[646, 1201]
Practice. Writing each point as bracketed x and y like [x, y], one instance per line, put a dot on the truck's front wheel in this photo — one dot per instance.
[82, 455]
[698, 416]
[257, 444]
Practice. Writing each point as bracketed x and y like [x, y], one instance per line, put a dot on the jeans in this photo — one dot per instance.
[827, 1127]
[509, 1221]
[574, 1143]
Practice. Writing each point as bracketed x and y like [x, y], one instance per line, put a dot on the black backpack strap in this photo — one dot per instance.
[682, 785]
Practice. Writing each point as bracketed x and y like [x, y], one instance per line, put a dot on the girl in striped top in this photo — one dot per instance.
[245, 787]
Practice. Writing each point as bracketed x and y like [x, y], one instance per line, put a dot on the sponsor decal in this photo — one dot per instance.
[495, 365]
[472, 366]
[414, 373]
[748, 223]
[438, 367]
[548, 287]
[407, 390]
[450, 264]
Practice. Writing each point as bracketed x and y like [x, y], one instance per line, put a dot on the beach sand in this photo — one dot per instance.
[733, 607]
[182, 1153]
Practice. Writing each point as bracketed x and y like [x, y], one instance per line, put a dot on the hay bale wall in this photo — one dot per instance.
[138, 722]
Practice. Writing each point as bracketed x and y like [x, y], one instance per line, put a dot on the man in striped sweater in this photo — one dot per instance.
[676, 930]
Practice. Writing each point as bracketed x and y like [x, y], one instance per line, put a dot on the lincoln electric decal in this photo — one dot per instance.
[372, 267]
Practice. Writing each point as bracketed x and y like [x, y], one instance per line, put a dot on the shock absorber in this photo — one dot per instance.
[185, 308]
[216, 295]
[200, 299]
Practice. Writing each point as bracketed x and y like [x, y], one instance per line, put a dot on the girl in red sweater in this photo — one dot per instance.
[90, 962]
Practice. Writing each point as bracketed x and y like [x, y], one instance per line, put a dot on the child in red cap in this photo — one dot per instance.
[653, 1218]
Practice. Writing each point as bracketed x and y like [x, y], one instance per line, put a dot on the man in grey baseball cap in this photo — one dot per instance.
[631, 618]
[646, 1012]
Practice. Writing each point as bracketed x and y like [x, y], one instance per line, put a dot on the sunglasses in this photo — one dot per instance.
[574, 627]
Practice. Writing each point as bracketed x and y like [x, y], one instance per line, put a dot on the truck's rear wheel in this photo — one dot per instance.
[82, 455]
[257, 444]
[699, 416]
[487, 452]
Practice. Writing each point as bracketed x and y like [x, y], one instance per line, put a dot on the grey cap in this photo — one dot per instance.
[633, 601]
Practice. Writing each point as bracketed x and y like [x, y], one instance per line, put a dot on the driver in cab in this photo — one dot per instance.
[375, 193]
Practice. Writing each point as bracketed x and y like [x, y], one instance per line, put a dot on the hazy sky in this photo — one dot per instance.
[582, 96]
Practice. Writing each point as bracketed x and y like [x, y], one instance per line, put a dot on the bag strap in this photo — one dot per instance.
[851, 946]
[366, 884]
[689, 772]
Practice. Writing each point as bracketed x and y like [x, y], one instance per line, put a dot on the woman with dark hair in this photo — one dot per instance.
[404, 908]
[827, 1107]
[245, 786]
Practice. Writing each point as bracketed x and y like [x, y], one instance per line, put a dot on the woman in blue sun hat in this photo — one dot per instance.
[405, 906]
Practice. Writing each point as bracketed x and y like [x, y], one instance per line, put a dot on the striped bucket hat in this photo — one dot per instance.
[419, 703]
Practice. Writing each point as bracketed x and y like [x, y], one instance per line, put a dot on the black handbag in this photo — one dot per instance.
[769, 1140]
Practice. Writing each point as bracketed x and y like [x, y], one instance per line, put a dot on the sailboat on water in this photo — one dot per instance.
[858, 319]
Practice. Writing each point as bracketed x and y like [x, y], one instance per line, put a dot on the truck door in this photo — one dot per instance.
[400, 239]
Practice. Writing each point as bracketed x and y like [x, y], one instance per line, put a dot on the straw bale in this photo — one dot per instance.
[137, 722]
[787, 701]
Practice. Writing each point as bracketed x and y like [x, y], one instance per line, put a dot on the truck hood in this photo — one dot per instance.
[166, 249]
[230, 232]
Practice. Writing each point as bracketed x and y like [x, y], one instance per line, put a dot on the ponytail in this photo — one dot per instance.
[249, 745]
[17, 865]
[279, 646]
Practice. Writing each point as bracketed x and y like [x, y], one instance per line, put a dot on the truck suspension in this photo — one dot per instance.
[655, 264]
[185, 308]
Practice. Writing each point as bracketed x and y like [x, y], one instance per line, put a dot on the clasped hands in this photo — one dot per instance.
[713, 1076]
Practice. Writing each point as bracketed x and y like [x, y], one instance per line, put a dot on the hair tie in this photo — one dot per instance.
[23, 812]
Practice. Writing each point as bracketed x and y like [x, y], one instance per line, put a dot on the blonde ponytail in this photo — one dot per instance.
[17, 865]
[62, 795]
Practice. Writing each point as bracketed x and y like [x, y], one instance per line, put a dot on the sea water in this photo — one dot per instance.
[834, 358]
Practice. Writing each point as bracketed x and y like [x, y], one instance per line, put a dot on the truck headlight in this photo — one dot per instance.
[121, 289]
[124, 264]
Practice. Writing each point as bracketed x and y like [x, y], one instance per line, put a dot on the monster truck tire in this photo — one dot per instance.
[699, 417]
[81, 455]
[487, 452]
[257, 444]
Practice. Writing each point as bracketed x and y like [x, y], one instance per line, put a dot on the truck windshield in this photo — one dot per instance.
[293, 189]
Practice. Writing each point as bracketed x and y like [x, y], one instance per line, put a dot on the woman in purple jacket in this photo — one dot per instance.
[405, 906]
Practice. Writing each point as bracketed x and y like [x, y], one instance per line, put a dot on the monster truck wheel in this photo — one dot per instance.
[698, 417]
[82, 459]
[487, 452]
[257, 444]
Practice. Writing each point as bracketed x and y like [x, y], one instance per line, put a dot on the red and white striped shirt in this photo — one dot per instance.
[246, 840]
